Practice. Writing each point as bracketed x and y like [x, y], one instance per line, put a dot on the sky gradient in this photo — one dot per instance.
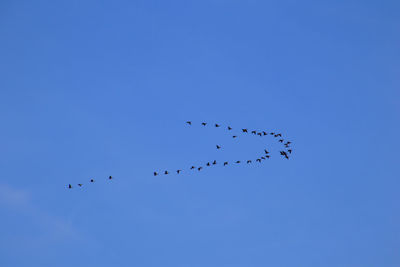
[96, 88]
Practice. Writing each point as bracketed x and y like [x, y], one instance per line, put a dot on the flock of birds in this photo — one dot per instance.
[285, 152]
[266, 154]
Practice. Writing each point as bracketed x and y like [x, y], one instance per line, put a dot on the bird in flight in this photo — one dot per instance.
[283, 153]
[249, 161]
[234, 136]
[286, 145]
[229, 128]
[259, 160]
[262, 157]
[217, 125]
[214, 162]
[110, 177]
[272, 133]
[281, 140]
[166, 172]
[259, 134]
[225, 163]
[238, 161]
[155, 173]
[290, 151]
[267, 156]
[265, 133]
[92, 180]
[244, 130]
[208, 164]
[178, 171]
[199, 168]
[80, 185]
[193, 167]
[253, 132]
[218, 147]
[204, 123]
[189, 122]
[69, 186]
[288, 142]
[266, 151]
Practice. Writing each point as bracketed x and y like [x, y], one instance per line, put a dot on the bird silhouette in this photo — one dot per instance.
[110, 177]
[229, 128]
[280, 135]
[155, 173]
[69, 186]
[199, 168]
[217, 125]
[267, 156]
[259, 134]
[288, 142]
[283, 153]
[178, 171]
[286, 145]
[189, 122]
[92, 180]
[218, 147]
[266, 151]
[290, 151]
[265, 133]
[193, 167]
[225, 163]
[259, 160]
[272, 133]
[281, 140]
[166, 172]
[249, 161]
[214, 162]
[204, 123]
[238, 161]
[253, 132]
[244, 130]
[234, 136]
[80, 185]
[262, 157]
[208, 164]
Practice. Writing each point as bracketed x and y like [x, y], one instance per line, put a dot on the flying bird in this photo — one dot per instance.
[189, 122]
[249, 161]
[290, 151]
[286, 145]
[259, 134]
[281, 140]
[262, 157]
[265, 133]
[208, 164]
[218, 147]
[217, 125]
[155, 173]
[234, 136]
[272, 133]
[225, 163]
[204, 123]
[92, 180]
[69, 186]
[166, 172]
[193, 167]
[178, 171]
[266, 151]
[283, 153]
[110, 177]
[244, 130]
[214, 162]
[229, 128]
[253, 132]
[199, 168]
[267, 156]
[259, 160]
[288, 142]
[80, 185]
[238, 161]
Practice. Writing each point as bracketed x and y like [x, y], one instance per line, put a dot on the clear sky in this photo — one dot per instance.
[96, 88]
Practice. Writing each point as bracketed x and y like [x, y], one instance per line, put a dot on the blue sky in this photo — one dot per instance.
[97, 88]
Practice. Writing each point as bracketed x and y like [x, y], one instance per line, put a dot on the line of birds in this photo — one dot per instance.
[69, 186]
[284, 153]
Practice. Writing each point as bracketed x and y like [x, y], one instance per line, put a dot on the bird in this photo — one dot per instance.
[80, 185]
[199, 168]
[249, 161]
[265, 133]
[92, 180]
[262, 157]
[266, 151]
[267, 156]
[229, 128]
[283, 153]
[288, 142]
[166, 172]
[259, 134]
[286, 145]
[280, 135]
[218, 147]
[244, 130]
[259, 160]
[238, 161]
[225, 163]
[178, 171]
[208, 164]
[189, 122]
[214, 162]
[193, 167]
[272, 133]
[234, 136]
[290, 151]
[281, 140]
[155, 173]
[217, 125]
[204, 123]
[110, 177]
[253, 132]
[69, 186]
